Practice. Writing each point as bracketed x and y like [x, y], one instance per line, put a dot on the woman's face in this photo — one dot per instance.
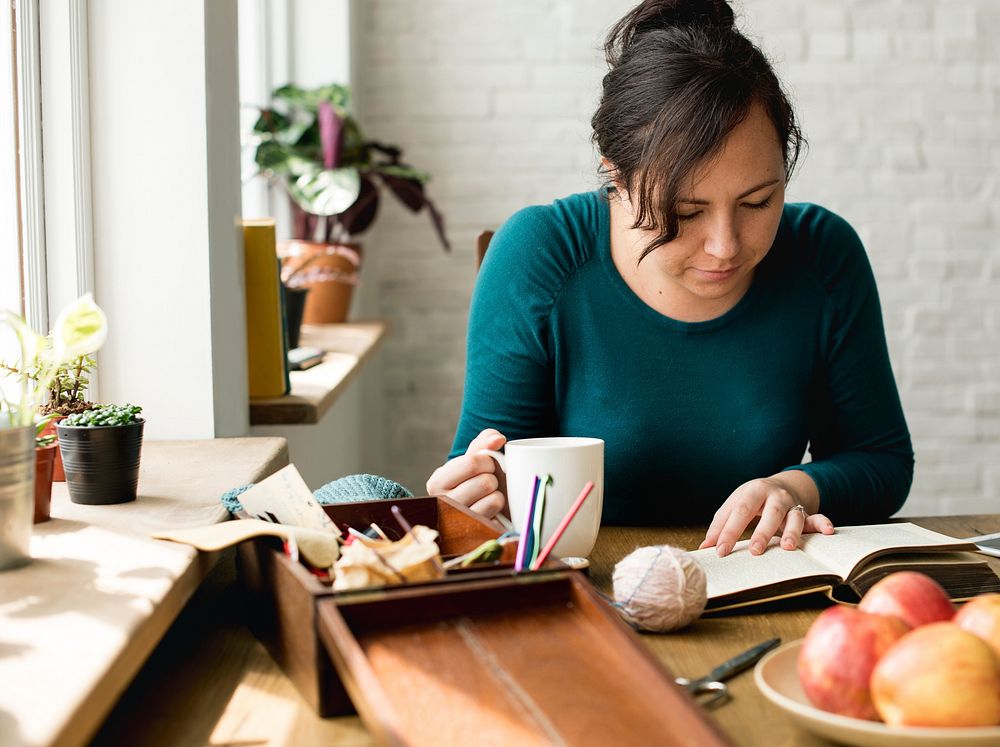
[729, 216]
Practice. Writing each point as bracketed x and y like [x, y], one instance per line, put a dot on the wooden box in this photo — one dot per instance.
[282, 595]
[484, 657]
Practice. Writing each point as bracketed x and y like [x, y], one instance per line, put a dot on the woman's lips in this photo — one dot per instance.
[716, 275]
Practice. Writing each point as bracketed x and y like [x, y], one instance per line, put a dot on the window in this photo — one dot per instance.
[10, 244]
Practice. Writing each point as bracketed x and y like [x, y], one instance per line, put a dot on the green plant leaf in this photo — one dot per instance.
[31, 342]
[283, 160]
[293, 96]
[80, 329]
[269, 122]
[105, 415]
[286, 129]
[326, 191]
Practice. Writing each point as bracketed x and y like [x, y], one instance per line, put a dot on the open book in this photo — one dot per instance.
[844, 565]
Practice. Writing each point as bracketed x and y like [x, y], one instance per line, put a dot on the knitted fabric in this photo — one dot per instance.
[353, 488]
[230, 499]
[349, 489]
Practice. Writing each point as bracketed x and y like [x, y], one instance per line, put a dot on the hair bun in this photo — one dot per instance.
[659, 15]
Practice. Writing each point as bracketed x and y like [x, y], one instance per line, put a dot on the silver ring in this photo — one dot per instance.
[800, 508]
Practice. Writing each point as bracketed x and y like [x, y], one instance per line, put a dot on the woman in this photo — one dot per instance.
[706, 330]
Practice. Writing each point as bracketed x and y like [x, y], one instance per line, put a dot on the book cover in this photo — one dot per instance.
[267, 366]
[843, 565]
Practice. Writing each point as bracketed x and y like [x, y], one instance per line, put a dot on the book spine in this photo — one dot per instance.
[266, 363]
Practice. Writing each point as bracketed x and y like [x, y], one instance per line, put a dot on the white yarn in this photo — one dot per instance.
[660, 588]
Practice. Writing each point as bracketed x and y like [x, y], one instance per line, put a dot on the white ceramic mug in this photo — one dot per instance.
[571, 462]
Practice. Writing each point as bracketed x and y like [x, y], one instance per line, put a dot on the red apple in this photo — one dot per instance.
[982, 617]
[938, 675]
[913, 597]
[838, 655]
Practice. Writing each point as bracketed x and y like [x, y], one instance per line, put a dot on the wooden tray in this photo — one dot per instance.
[480, 657]
[282, 595]
[529, 660]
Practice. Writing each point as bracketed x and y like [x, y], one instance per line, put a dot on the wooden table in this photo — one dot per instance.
[211, 683]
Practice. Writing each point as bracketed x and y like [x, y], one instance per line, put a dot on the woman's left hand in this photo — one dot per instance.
[785, 503]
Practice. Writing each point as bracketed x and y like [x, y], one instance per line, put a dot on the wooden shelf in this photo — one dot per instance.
[314, 390]
[80, 619]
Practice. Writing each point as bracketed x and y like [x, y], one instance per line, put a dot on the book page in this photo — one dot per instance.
[740, 570]
[844, 550]
[962, 575]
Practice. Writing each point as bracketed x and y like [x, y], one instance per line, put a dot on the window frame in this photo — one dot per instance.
[28, 142]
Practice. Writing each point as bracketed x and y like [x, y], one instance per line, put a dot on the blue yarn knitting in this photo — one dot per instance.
[349, 489]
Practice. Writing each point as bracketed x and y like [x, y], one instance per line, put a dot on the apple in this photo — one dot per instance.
[938, 675]
[838, 655]
[913, 597]
[982, 617]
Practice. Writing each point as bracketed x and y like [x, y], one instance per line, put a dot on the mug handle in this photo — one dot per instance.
[498, 456]
[501, 459]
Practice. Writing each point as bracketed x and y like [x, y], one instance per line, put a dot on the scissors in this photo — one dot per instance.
[713, 685]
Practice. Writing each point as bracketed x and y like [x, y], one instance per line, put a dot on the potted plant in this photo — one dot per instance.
[67, 394]
[101, 449]
[79, 330]
[46, 450]
[308, 142]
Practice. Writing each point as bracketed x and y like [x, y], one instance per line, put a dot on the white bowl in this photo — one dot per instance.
[777, 678]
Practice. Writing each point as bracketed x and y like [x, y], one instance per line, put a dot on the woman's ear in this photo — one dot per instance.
[612, 172]
[620, 192]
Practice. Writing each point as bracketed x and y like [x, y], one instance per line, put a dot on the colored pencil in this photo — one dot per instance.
[523, 546]
[562, 525]
[536, 522]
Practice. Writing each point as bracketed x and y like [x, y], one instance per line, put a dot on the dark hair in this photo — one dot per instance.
[681, 78]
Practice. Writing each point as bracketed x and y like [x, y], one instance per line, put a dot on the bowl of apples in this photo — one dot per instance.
[902, 668]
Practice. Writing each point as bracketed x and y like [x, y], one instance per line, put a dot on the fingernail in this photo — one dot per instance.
[722, 549]
[757, 548]
[788, 544]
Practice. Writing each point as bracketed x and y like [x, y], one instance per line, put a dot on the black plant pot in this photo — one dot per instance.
[295, 305]
[101, 462]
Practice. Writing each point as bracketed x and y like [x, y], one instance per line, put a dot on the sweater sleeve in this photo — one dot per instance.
[859, 442]
[508, 380]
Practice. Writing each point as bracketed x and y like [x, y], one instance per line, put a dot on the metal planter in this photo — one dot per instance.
[17, 495]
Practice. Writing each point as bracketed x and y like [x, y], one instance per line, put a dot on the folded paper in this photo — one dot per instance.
[318, 547]
[365, 563]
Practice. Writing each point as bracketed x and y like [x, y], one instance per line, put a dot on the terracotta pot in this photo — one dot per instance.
[45, 457]
[329, 271]
[58, 475]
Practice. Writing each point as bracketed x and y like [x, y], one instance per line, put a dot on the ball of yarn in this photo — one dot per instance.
[660, 588]
[349, 489]
[360, 488]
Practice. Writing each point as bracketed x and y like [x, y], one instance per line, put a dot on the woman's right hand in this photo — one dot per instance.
[473, 479]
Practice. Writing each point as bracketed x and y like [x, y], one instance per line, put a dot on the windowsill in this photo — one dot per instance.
[314, 390]
[80, 619]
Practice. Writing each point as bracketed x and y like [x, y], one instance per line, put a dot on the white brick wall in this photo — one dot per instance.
[900, 100]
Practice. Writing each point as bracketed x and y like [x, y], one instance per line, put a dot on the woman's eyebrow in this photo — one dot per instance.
[750, 191]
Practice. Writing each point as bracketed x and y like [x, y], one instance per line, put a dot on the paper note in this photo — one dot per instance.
[284, 498]
[318, 547]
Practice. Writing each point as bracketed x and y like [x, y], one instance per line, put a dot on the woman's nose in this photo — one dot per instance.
[722, 240]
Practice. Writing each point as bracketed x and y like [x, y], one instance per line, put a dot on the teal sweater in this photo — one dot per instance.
[558, 344]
